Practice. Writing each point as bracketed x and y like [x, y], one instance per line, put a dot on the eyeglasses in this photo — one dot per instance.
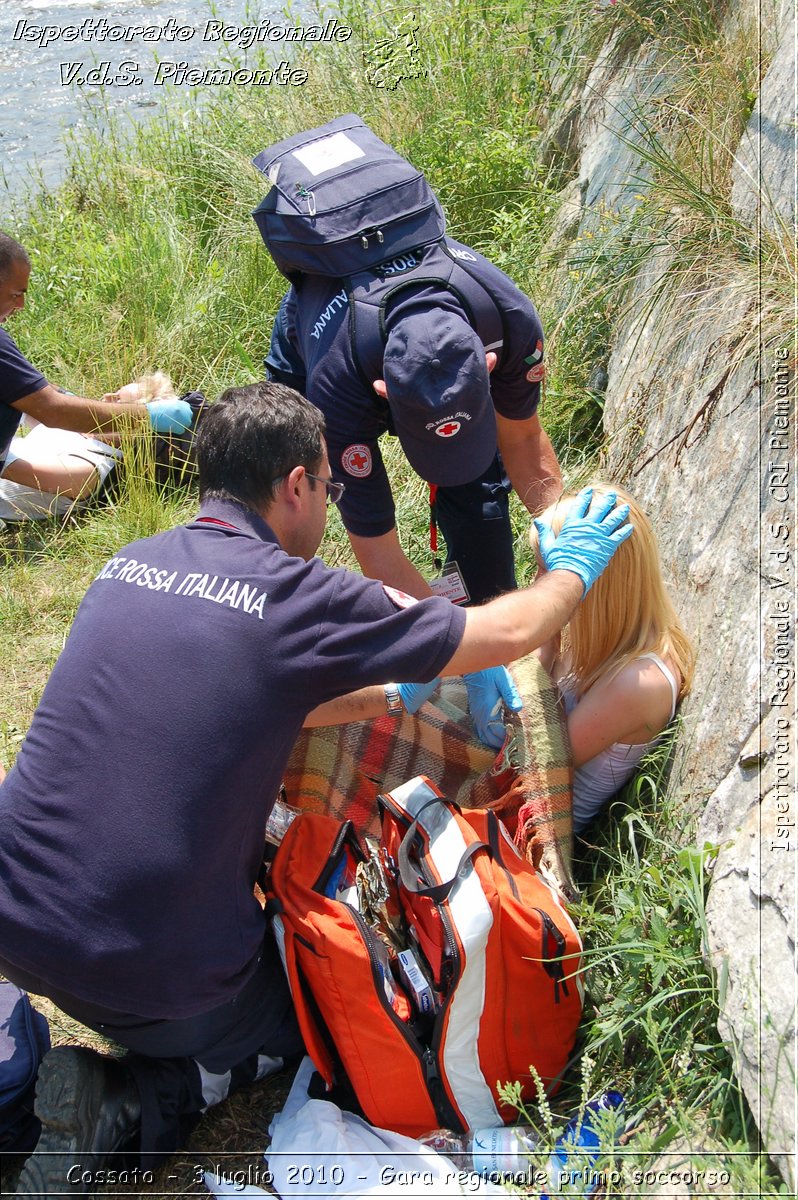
[334, 490]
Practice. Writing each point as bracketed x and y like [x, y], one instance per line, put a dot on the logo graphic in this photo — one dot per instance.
[536, 354]
[356, 460]
[400, 599]
[404, 262]
[535, 374]
[447, 430]
[394, 58]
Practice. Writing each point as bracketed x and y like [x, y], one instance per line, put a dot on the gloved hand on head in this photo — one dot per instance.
[170, 416]
[589, 537]
[488, 693]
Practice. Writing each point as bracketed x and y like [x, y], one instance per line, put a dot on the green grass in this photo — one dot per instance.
[649, 1028]
[147, 257]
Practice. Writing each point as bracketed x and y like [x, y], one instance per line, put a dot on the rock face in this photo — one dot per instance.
[764, 176]
[700, 422]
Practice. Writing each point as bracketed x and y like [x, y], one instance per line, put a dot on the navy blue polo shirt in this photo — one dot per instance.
[17, 379]
[132, 821]
[311, 350]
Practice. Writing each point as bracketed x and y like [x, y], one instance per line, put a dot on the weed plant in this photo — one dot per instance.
[147, 257]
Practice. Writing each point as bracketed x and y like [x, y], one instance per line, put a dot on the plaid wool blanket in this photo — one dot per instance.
[342, 769]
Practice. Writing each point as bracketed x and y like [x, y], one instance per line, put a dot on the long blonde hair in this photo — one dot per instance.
[628, 611]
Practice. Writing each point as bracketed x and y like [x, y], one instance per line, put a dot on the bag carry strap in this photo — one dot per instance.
[371, 293]
[306, 1009]
[434, 891]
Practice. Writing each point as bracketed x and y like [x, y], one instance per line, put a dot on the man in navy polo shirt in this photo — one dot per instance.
[23, 389]
[133, 816]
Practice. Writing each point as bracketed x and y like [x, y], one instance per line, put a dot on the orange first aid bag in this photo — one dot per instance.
[488, 985]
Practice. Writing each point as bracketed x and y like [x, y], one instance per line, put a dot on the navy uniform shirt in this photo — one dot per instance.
[132, 821]
[17, 379]
[311, 351]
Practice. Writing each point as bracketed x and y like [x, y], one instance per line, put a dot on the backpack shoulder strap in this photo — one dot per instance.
[370, 293]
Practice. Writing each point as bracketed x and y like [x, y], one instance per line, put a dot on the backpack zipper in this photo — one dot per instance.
[451, 971]
[367, 233]
[346, 837]
[552, 963]
[425, 1054]
[447, 1115]
[304, 193]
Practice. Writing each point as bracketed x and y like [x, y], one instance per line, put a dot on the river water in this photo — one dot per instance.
[48, 45]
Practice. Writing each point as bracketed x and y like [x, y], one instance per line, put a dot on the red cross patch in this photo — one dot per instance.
[448, 429]
[356, 460]
[400, 599]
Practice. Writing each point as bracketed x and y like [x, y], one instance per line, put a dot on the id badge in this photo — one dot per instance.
[450, 585]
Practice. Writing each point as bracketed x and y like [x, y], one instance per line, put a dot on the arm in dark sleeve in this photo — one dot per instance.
[284, 362]
[515, 383]
[18, 377]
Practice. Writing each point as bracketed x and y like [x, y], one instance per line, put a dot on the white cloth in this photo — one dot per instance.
[317, 1149]
[44, 444]
[601, 777]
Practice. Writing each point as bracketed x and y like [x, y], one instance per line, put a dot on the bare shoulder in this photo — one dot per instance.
[642, 690]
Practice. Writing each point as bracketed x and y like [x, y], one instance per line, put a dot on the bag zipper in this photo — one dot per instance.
[346, 836]
[425, 1054]
[552, 964]
[447, 1115]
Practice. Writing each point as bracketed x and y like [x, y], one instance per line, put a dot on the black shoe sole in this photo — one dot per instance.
[69, 1094]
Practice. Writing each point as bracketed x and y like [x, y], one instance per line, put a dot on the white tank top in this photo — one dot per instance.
[601, 777]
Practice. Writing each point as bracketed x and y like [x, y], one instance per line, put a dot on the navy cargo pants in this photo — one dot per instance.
[182, 1067]
[474, 519]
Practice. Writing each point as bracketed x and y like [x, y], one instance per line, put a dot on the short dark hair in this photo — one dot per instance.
[11, 252]
[251, 438]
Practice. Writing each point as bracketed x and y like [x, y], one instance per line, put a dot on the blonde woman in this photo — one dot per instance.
[622, 663]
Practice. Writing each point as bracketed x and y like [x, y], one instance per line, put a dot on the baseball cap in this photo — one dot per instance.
[438, 390]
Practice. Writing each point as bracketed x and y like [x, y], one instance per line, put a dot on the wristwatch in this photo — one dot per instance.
[393, 701]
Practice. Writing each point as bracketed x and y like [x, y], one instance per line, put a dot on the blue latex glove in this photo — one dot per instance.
[413, 695]
[170, 416]
[488, 692]
[588, 539]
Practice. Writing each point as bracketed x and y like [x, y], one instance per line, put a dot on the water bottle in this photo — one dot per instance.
[581, 1144]
[492, 1153]
[504, 1153]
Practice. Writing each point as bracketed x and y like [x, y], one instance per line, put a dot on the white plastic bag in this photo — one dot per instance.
[317, 1149]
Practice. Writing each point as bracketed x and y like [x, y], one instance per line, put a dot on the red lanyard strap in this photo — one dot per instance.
[433, 526]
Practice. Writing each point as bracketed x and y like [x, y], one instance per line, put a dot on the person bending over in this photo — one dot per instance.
[466, 416]
[622, 663]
